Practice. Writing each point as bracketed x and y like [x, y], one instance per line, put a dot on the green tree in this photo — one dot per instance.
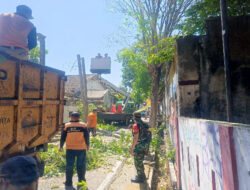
[195, 16]
[135, 76]
[156, 21]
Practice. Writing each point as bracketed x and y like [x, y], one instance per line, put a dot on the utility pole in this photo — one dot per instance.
[224, 28]
[83, 90]
[41, 39]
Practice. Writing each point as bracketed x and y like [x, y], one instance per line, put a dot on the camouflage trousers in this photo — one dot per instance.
[139, 153]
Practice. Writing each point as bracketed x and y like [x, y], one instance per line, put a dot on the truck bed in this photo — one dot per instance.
[31, 104]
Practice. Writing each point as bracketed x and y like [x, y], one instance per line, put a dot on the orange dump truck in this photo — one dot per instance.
[31, 106]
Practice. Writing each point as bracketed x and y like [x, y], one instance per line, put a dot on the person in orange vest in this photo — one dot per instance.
[76, 135]
[17, 33]
[92, 122]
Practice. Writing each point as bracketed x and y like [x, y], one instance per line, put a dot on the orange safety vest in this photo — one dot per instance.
[75, 136]
[14, 30]
[92, 118]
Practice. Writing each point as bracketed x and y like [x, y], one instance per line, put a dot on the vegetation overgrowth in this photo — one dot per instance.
[105, 127]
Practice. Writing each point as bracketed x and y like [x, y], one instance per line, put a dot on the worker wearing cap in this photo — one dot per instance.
[19, 173]
[17, 33]
[76, 135]
[92, 122]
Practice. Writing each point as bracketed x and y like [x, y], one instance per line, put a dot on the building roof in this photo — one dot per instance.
[96, 94]
[73, 84]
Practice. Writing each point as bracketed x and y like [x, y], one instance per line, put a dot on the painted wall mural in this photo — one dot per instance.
[204, 164]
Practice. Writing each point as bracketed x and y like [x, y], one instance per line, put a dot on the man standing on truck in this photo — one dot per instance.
[140, 147]
[76, 135]
[17, 33]
[19, 173]
[92, 122]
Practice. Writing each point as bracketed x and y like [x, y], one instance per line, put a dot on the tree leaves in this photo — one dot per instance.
[195, 16]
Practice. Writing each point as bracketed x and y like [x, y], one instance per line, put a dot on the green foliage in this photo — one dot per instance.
[55, 187]
[171, 155]
[55, 161]
[99, 150]
[35, 54]
[83, 185]
[119, 97]
[107, 127]
[195, 16]
[136, 61]
[81, 110]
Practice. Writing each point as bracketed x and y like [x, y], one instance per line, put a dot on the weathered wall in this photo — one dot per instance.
[201, 77]
[214, 155]
[67, 111]
[239, 59]
[188, 75]
[95, 85]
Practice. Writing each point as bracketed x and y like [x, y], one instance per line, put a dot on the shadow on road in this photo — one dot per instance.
[144, 186]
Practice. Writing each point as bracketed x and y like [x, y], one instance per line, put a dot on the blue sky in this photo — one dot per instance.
[75, 27]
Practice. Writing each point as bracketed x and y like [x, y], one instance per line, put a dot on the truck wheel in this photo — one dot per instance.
[40, 164]
[127, 121]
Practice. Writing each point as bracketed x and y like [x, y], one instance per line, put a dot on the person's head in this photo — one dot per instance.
[75, 116]
[24, 11]
[19, 173]
[137, 116]
[94, 111]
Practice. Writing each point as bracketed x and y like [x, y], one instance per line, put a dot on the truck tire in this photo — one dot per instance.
[40, 164]
[127, 121]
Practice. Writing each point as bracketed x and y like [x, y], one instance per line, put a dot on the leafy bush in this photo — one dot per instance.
[171, 155]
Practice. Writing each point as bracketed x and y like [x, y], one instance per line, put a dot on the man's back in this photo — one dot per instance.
[92, 120]
[14, 30]
[75, 135]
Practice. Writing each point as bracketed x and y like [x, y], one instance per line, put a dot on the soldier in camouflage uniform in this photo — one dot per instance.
[140, 146]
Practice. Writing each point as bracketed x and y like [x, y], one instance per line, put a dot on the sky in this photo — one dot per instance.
[74, 27]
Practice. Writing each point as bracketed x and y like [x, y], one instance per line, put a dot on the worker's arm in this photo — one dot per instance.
[86, 136]
[32, 39]
[135, 139]
[63, 139]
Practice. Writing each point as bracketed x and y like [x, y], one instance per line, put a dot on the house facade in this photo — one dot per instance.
[100, 92]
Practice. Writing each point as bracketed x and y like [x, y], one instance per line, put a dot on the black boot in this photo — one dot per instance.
[139, 179]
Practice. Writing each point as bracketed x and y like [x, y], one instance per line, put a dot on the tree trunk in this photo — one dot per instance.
[156, 74]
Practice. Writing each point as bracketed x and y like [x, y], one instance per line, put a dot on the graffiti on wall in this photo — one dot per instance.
[201, 154]
[242, 147]
[203, 160]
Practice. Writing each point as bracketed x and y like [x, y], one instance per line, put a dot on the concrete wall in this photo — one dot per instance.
[94, 85]
[213, 155]
[67, 111]
[210, 154]
[201, 76]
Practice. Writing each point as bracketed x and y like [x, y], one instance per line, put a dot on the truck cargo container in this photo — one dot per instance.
[31, 106]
